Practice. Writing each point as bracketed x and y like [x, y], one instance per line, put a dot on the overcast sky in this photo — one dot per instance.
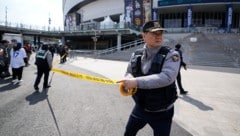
[32, 12]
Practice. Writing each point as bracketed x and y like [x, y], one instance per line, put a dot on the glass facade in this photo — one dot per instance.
[199, 19]
[217, 16]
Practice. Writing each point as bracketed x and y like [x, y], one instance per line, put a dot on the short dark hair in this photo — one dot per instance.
[4, 41]
[178, 46]
[45, 47]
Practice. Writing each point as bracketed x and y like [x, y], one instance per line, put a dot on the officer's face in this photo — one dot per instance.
[153, 39]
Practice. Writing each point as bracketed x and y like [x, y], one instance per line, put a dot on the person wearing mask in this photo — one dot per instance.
[152, 71]
[182, 64]
[18, 59]
[44, 65]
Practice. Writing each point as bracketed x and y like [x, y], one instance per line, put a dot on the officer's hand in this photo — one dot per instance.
[129, 83]
[125, 92]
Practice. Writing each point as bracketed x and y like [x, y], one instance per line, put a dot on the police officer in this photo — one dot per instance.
[182, 64]
[44, 65]
[152, 70]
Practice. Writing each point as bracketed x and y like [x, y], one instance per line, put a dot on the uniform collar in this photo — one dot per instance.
[150, 52]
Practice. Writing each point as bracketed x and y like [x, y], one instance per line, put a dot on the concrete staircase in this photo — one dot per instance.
[217, 50]
[124, 55]
[207, 51]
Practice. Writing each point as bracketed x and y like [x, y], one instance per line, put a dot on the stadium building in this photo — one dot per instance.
[126, 17]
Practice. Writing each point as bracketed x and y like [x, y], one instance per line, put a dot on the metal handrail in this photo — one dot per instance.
[108, 50]
[123, 47]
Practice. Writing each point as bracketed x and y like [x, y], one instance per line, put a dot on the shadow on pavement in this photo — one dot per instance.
[5, 80]
[36, 97]
[7, 85]
[196, 102]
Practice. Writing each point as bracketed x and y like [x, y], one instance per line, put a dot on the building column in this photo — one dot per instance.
[239, 23]
[119, 41]
[34, 40]
[38, 41]
[63, 40]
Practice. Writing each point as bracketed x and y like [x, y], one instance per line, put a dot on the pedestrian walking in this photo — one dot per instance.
[64, 54]
[152, 70]
[44, 65]
[52, 50]
[28, 50]
[182, 64]
[18, 59]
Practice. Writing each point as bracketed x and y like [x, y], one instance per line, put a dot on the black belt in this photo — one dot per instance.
[161, 110]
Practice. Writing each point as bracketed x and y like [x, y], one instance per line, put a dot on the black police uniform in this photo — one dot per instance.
[43, 67]
[153, 106]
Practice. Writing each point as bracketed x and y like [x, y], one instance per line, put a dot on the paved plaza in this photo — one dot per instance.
[76, 107]
[211, 108]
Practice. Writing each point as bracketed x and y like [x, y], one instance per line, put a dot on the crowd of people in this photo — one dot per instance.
[15, 56]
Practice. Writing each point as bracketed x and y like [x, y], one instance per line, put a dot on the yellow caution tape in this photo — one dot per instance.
[84, 77]
[96, 79]
[57, 61]
[63, 55]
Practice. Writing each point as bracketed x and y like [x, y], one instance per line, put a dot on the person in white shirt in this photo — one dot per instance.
[18, 61]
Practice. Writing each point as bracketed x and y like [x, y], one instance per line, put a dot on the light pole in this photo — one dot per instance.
[49, 22]
[6, 16]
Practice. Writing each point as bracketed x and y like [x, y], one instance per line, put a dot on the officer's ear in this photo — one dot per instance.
[144, 35]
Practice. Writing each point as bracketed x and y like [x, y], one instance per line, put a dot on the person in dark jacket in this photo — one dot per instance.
[4, 59]
[152, 72]
[182, 64]
[44, 65]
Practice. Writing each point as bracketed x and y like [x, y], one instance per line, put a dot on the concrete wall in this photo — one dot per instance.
[102, 8]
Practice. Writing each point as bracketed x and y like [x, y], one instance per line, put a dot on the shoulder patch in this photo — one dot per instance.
[175, 58]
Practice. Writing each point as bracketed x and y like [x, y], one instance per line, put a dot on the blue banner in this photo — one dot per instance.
[128, 11]
[229, 17]
[138, 13]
